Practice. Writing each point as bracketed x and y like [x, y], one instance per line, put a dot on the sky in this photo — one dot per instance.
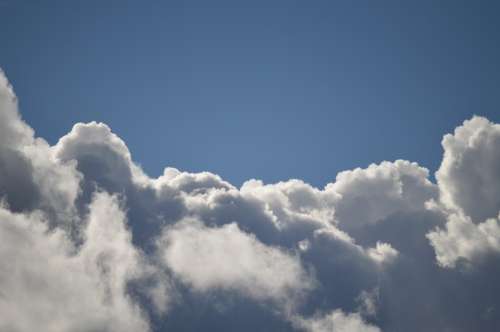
[295, 166]
[263, 89]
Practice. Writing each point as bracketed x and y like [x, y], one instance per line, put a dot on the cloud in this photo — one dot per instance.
[366, 196]
[31, 176]
[48, 284]
[227, 258]
[92, 243]
[469, 176]
[469, 182]
[462, 239]
[337, 321]
[383, 253]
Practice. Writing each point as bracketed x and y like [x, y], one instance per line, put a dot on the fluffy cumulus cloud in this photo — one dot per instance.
[227, 258]
[469, 176]
[89, 242]
[469, 183]
[48, 284]
[31, 175]
[462, 239]
[381, 190]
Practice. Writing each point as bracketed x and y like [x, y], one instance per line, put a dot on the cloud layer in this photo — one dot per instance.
[89, 242]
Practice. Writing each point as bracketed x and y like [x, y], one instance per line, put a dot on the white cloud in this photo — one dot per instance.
[366, 196]
[229, 259]
[336, 321]
[94, 142]
[31, 175]
[469, 176]
[469, 183]
[191, 183]
[47, 284]
[383, 253]
[462, 239]
[368, 302]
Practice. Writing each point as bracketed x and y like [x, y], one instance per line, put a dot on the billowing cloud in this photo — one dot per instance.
[48, 284]
[31, 175]
[462, 239]
[90, 242]
[469, 176]
[469, 182]
[229, 259]
[381, 190]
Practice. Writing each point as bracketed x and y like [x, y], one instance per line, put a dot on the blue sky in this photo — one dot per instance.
[259, 89]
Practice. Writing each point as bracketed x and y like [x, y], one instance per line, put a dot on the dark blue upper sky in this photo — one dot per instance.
[257, 89]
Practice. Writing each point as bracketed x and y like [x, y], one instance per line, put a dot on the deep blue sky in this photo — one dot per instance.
[257, 89]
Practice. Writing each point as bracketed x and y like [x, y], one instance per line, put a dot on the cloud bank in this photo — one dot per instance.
[89, 242]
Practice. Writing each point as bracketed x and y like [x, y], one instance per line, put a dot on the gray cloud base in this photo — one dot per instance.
[89, 242]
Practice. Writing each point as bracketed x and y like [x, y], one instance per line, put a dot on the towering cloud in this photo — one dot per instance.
[469, 176]
[469, 183]
[89, 242]
[31, 176]
[50, 284]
